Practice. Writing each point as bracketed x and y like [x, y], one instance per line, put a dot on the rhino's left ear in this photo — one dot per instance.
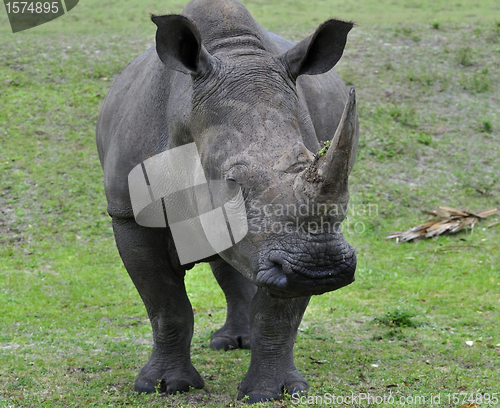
[319, 52]
[178, 44]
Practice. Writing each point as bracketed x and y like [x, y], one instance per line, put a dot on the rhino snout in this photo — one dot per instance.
[284, 279]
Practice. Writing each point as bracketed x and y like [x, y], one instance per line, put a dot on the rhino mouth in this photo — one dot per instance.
[281, 279]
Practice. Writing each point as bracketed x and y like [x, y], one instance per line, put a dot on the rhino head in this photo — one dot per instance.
[243, 116]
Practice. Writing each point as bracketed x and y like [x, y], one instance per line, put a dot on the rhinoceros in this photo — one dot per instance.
[257, 109]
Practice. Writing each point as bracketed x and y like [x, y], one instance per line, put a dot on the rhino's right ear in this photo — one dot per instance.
[178, 44]
[319, 52]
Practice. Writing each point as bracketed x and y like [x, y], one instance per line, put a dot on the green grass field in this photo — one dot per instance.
[421, 319]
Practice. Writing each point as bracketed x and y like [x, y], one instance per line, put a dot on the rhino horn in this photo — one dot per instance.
[326, 179]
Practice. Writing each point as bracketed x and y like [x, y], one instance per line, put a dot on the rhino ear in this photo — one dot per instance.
[319, 52]
[178, 44]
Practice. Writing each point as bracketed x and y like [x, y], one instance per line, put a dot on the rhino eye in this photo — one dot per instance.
[236, 175]
[231, 183]
[232, 188]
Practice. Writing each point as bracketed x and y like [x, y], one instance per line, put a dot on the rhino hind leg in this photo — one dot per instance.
[239, 293]
[145, 254]
[272, 372]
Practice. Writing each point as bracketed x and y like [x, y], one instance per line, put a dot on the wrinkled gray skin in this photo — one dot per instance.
[256, 106]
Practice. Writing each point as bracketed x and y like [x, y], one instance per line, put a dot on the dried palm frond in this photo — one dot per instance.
[449, 221]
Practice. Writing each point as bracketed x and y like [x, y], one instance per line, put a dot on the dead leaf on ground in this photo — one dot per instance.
[448, 221]
[316, 361]
[494, 223]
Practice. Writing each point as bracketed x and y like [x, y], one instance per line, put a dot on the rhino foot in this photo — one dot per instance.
[155, 379]
[224, 339]
[271, 390]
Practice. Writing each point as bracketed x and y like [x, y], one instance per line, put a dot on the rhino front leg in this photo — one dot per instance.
[239, 293]
[146, 256]
[274, 323]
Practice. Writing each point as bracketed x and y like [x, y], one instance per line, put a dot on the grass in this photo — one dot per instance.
[398, 318]
[486, 126]
[290, 16]
[74, 330]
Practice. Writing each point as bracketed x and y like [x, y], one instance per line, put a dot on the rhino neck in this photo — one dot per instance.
[226, 25]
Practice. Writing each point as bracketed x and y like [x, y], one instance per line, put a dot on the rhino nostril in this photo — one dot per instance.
[280, 264]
